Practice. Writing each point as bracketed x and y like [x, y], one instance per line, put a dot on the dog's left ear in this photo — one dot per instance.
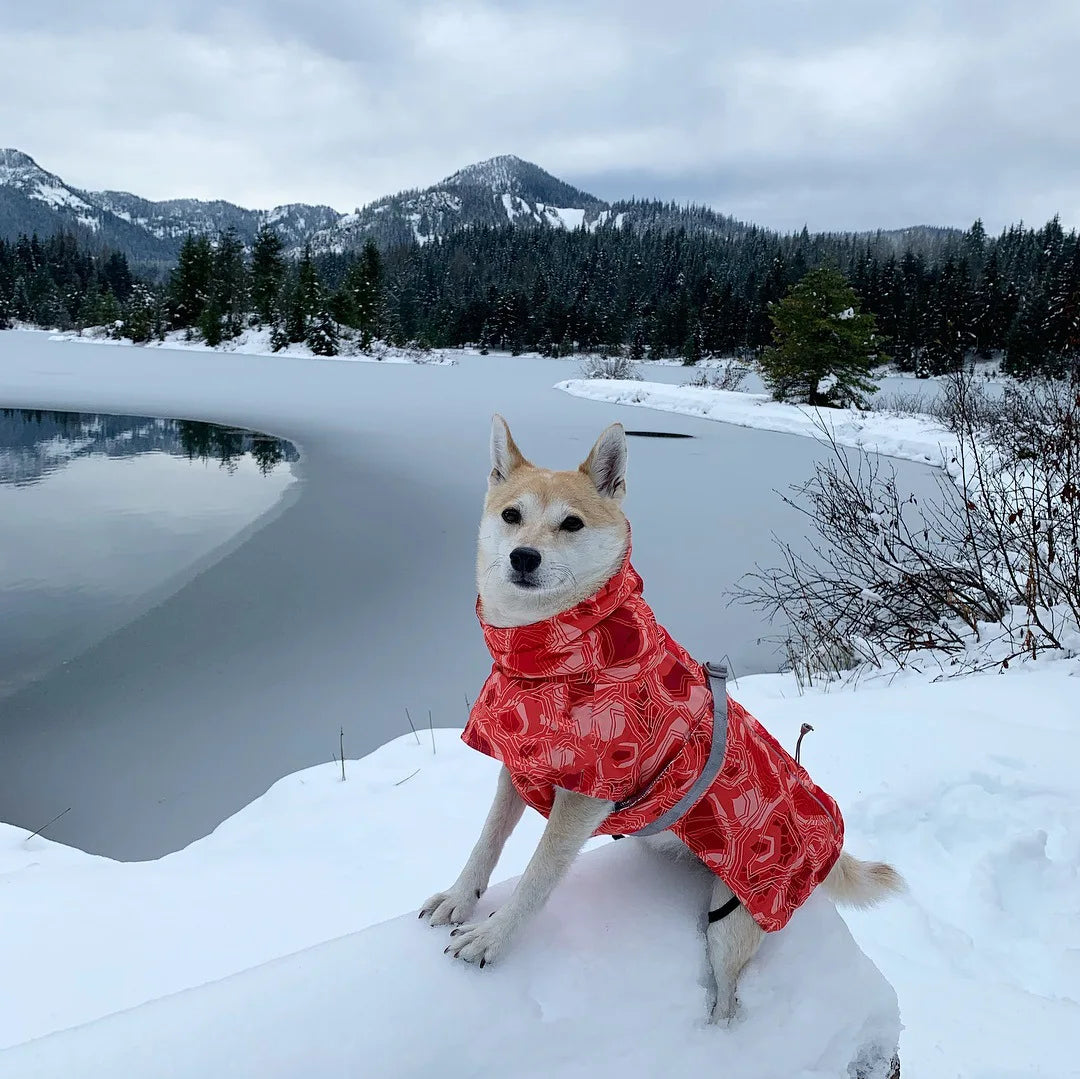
[606, 463]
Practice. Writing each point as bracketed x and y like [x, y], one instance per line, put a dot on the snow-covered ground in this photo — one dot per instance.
[967, 786]
[913, 438]
[257, 342]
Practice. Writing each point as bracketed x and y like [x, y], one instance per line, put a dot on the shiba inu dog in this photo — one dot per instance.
[606, 725]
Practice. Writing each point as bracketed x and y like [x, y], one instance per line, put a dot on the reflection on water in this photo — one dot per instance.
[34, 443]
[102, 516]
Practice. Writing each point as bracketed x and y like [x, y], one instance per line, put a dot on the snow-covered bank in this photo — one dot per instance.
[607, 984]
[257, 342]
[968, 786]
[913, 438]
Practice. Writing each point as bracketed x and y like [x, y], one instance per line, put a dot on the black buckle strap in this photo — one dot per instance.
[722, 912]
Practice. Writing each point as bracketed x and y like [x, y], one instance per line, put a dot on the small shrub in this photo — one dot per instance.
[610, 367]
[728, 376]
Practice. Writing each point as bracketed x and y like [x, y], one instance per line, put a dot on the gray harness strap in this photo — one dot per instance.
[717, 673]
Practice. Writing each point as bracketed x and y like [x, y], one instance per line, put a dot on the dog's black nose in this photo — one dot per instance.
[525, 559]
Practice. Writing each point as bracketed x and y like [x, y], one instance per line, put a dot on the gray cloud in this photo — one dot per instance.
[833, 113]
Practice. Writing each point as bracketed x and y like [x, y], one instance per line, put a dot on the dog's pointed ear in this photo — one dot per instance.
[505, 456]
[606, 463]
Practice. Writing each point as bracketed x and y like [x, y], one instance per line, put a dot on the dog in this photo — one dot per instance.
[604, 724]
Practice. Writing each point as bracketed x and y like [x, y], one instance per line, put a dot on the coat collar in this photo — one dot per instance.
[573, 642]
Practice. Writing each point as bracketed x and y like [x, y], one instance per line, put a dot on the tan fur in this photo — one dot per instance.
[549, 496]
[574, 489]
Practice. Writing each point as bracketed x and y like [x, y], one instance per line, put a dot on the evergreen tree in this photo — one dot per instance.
[141, 315]
[228, 302]
[190, 281]
[268, 271]
[305, 300]
[322, 335]
[819, 334]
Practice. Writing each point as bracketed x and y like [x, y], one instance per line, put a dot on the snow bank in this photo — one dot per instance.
[967, 786]
[914, 438]
[606, 982]
[256, 342]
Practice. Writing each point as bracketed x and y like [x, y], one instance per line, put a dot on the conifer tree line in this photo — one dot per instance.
[647, 292]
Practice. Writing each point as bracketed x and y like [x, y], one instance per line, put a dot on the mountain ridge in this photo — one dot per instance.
[501, 190]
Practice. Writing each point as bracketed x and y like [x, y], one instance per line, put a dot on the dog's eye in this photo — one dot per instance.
[572, 524]
[511, 515]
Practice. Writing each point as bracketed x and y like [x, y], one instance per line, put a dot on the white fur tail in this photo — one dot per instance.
[855, 883]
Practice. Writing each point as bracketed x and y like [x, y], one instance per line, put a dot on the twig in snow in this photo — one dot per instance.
[341, 743]
[432, 730]
[412, 727]
[406, 779]
[44, 826]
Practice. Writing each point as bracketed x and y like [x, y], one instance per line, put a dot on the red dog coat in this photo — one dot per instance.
[601, 701]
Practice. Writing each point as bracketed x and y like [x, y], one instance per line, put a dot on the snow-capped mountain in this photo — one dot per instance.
[503, 190]
[34, 200]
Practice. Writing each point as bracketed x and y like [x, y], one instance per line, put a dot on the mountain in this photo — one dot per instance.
[34, 200]
[503, 190]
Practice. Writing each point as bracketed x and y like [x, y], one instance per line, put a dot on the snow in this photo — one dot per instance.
[573, 1000]
[967, 786]
[514, 206]
[56, 196]
[257, 342]
[913, 438]
[566, 217]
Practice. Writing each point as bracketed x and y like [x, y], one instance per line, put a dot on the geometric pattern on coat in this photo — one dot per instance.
[601, 700]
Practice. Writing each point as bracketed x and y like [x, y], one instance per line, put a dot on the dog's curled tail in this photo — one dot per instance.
[855, 883]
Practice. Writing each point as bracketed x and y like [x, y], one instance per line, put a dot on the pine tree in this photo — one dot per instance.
[358, 301]
[819, 334]
[322, 335]
[267, 275]
[305, 300]
[228, 301]
[142, 315]
[189, 282]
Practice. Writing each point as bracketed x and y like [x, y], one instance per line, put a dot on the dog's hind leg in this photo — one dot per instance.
[454, 906]
[730, 942]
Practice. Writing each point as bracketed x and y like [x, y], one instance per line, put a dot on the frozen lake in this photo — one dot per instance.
[103, 514]
[342, 599]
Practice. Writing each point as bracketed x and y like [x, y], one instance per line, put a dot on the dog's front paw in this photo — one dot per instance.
[480, 944]
[451, 907]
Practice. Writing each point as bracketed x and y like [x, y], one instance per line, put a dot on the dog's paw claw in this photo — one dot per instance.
[480, 944]
[452, 907]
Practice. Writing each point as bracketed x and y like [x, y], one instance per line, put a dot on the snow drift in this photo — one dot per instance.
[608, 981]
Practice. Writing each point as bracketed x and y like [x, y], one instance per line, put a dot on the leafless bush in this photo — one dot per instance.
[888, 576]
[728, 376]
[901, 403]
[964, 405]
[608, 366]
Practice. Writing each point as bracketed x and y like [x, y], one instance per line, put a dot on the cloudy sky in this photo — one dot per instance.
[832, 113]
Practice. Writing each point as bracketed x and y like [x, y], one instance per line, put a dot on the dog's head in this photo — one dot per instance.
[549, 539]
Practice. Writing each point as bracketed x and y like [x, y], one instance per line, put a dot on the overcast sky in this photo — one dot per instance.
[832, 113]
